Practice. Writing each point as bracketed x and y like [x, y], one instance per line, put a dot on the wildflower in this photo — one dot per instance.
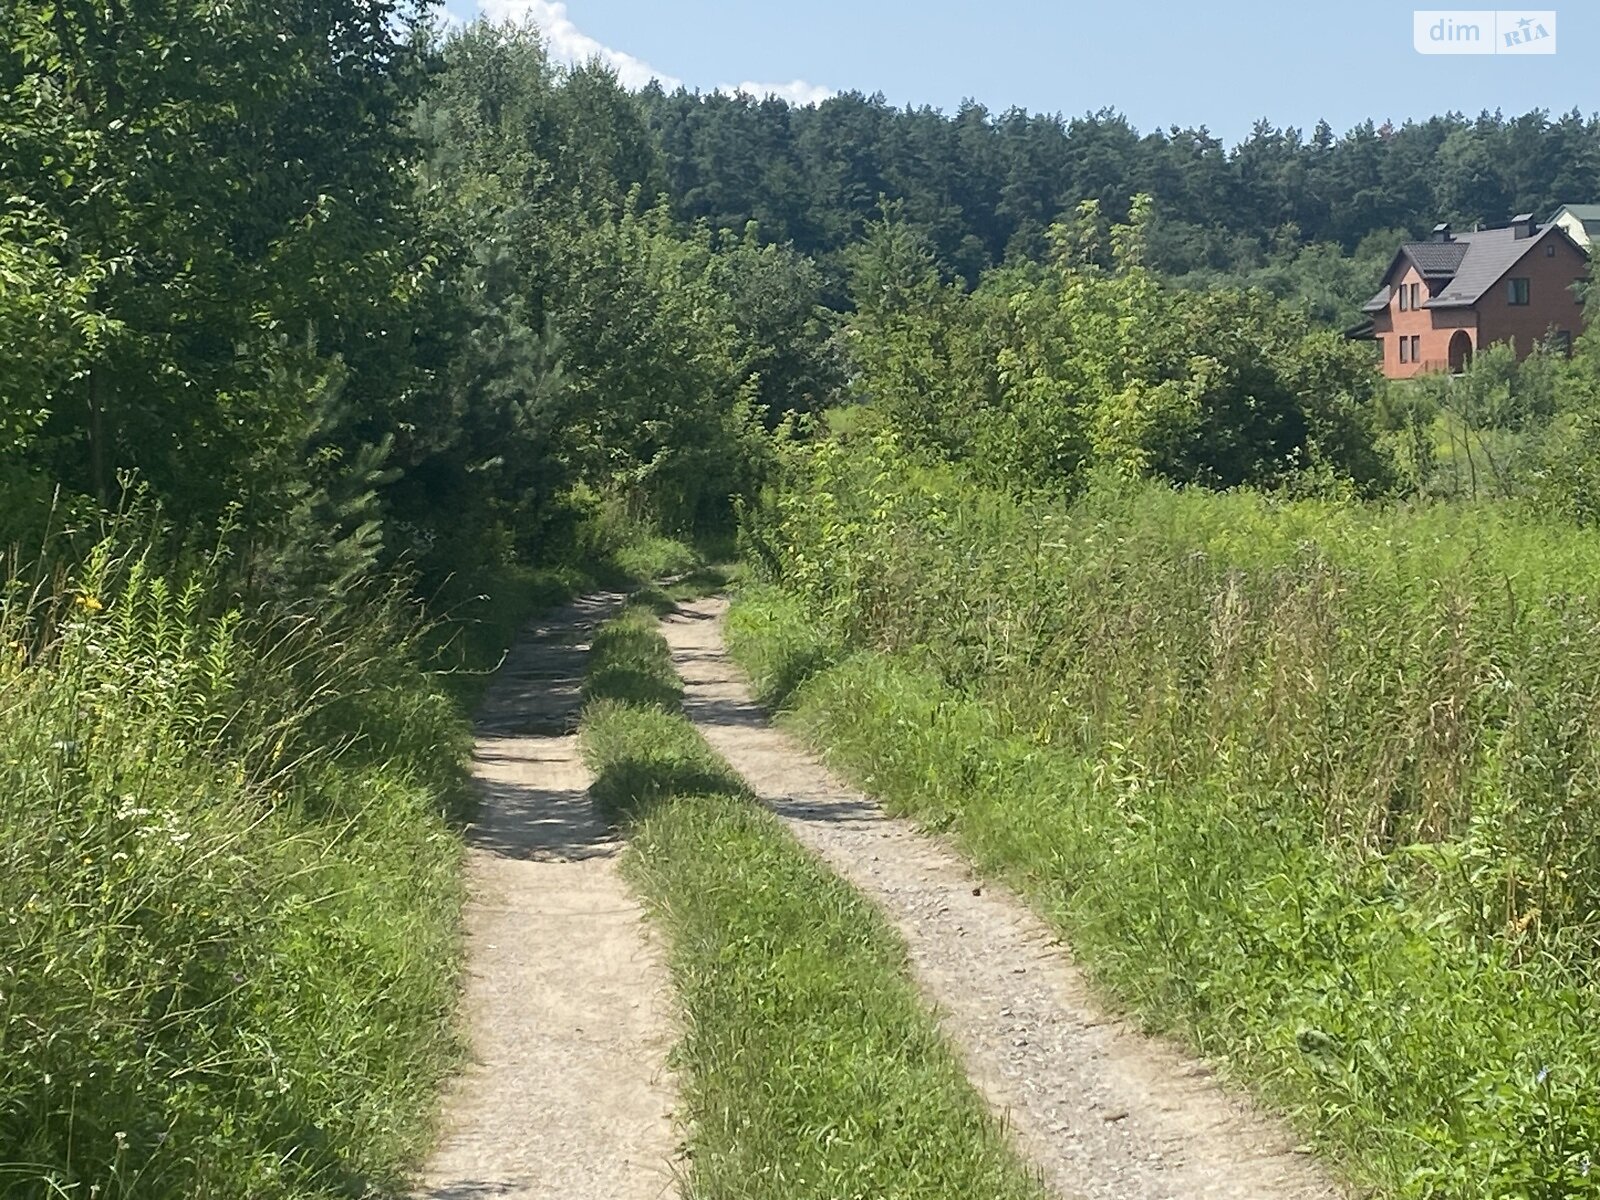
[1544, 1074]
[90, 604]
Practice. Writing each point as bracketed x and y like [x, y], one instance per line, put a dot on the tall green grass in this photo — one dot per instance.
[808, 1067]
[228, 889]
[230, 877]
[1315, 783]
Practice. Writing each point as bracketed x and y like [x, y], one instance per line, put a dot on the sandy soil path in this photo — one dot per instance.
[567, 1000]
[1105, 1112]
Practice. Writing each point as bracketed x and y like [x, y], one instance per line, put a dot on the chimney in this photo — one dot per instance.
[1525, 225]
[1441, 232]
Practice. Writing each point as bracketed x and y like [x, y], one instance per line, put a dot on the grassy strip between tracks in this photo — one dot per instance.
[808, 1065]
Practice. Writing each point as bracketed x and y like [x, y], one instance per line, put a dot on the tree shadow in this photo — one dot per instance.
[471, 1189]
[539, 823]
[626, 790]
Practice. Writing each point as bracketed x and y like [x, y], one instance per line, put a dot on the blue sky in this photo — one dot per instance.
[1221, 65]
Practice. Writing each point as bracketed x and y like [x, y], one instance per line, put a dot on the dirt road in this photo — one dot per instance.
[1105, 1112]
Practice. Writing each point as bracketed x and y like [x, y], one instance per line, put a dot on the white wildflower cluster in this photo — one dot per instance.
[163, 825]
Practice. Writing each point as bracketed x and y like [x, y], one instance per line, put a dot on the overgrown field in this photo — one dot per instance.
[1313, 782]
[808, 1066]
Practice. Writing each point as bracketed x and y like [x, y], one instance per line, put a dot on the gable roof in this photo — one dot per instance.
[1463, 269]
[1437, 260]
[1584, 212]
[1490, 254]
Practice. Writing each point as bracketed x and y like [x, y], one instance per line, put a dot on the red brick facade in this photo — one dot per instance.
[1417, 337]
[1552, 303]
[1432, 329]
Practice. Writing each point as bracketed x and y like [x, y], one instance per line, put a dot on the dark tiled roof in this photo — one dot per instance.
[1379, 302]
[1488, 255]
[1462, 270]
[1438, 260]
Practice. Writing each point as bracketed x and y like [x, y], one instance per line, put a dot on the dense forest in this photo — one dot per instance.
[332, 345]
[1281, 209]
[340, 300]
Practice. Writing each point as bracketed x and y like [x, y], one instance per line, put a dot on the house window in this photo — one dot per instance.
[1405, 346]
[1414, 288]
[1416, 348]
[1403, 291]
[1518, 291]
[1550, 250]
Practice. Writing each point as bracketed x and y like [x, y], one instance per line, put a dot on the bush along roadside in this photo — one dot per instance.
[808, 1066]
[1153, 736]
[229, 889]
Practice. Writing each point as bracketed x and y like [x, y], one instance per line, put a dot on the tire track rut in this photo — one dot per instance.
[1105, 1112]
[567, 1001]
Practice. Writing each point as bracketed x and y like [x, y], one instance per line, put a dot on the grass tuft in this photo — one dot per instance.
[228, 890]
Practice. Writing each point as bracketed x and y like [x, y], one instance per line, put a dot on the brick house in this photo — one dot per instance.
[1443, 298]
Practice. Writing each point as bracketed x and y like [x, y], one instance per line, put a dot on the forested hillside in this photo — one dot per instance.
[1280, 208]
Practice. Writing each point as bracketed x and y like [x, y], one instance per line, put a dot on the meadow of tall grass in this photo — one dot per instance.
[230, 881]
[1313, 782]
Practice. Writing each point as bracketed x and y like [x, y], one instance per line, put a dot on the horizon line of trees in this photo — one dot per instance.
[986, 187]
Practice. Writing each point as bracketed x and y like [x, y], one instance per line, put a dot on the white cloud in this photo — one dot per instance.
[570, 44]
